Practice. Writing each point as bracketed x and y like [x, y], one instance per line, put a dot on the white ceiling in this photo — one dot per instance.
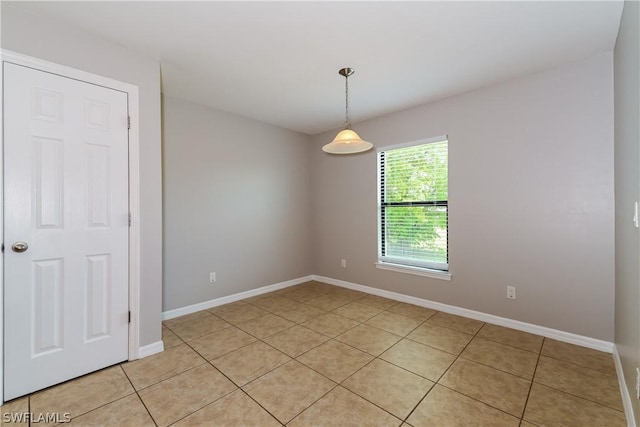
[277, 61]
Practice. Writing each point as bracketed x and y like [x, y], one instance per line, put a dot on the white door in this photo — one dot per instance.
[66, 228]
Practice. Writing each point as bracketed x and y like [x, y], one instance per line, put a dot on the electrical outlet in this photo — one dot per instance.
[511, 292]
[637, 383]
[344, 263]
[212, 277]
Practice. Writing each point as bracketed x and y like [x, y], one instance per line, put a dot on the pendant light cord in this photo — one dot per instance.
[346, 103]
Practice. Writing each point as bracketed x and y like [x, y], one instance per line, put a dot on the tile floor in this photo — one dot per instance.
[316, 354]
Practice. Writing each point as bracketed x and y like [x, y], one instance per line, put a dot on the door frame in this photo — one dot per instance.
[134, 187]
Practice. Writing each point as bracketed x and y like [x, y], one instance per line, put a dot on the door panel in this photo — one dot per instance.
[66, 196]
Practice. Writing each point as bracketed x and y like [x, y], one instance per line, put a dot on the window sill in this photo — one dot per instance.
[418, 271]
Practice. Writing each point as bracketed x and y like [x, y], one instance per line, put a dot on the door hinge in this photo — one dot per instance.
[3, 248]
[128, 122]
[129, 316]
[129, 219]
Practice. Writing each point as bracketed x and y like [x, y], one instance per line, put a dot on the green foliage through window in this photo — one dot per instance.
[414, 205]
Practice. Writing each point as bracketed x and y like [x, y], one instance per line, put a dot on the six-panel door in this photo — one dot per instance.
[66, 197]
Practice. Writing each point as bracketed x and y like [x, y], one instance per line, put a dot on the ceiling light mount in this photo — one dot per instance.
[347, 141]
[346, 72]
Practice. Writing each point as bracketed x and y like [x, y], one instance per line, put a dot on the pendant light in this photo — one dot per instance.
[347, 141]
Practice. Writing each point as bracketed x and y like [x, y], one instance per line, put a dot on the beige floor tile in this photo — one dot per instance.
[235, 409]
[222, 342]
[394, 323]
[300, 313]
[377, 302]
[504, 357]
[198, 327]
[317, 286]
[273, 303]
[392, 388]
[335, 360]
[582, 356]
[579, 381]
[291, 288]
[152, 369]
[283, 291]
[266, 325]
[169, 339]
[330, 324]
[302, 294]
[348, 295]
[288, 390]
[238, 312]
[441, 338]
[549, 407]
[342, 408]
[250, 362]
[327, 302]
[419, 358]
[444, 407]
[218, 310]
[179, 396]
[254, 299]
[12, 413]
[186, 318]
[367, 338]
[413, 311]
[296, 340]
[495, 388]
[487, 385]
[356, 311]
[508, 336]
[459, 323]
[128, 411]
[82, 395]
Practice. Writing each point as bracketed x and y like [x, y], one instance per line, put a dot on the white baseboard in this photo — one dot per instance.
[148, 350]
[624, 390]
[563, 336]
[170, 314]
[477, 315]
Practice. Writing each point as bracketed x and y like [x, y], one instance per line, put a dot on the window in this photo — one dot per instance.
[413, 206]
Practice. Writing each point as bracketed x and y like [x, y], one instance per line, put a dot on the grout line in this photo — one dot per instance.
[459, 356]
[75, 379]
[581, 366]
[581, 398]
[339, 384]
[479, 401]
[138, 394]
[526, 402]
[202, 407]
[419, 402]
[238, 387]
[328, 292]
[314, 402]
[260, 405]
[497, 369]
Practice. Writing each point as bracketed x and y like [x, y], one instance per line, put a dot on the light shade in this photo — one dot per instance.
[347, 142]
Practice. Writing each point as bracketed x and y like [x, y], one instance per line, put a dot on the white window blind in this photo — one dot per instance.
[413, 206]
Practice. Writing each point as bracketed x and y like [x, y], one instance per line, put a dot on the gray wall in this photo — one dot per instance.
[236, 201]
[530, 192]
[54, 42]
[627, 191]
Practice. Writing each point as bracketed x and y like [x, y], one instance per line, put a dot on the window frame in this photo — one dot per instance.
[428, 269]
